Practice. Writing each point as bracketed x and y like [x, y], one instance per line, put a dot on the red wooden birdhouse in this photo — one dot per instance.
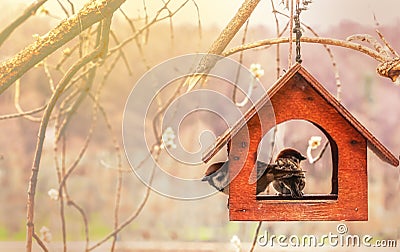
[348, 138]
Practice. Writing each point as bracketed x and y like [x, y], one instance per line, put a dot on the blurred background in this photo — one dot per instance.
[98, 178]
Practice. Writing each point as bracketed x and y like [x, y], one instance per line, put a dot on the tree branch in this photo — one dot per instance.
[389, 68]
[30, 11]
[233, 27]
[224, 38]
[94, 11]
[98, 52]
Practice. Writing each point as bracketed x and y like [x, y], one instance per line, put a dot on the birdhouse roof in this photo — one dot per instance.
[377, 147]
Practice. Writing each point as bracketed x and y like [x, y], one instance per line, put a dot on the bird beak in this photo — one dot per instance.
[205, 178]
[302, 158]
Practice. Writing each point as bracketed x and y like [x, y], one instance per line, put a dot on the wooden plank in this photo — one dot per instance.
[307, 197]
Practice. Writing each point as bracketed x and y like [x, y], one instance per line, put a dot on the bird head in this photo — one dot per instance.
[291, 153]
[217, 176]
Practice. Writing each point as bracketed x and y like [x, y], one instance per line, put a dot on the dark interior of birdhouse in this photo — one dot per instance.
[320, 168]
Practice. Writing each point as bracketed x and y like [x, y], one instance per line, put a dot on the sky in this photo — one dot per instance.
[321, 13]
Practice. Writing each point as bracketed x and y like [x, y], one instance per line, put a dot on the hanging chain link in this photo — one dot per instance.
[297, 30]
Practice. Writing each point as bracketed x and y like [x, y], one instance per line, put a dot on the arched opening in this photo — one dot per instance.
[321, 176]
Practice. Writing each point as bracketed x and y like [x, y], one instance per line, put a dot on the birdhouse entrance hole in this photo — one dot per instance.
[321, 177]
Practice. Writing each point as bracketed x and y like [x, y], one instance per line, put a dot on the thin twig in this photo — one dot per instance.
[198, 20]
[372, 41]
[329, 41]
[74, 107]
[63, 8]
[28, 12]
[133, 216]
[240, 62]
[72, 7]
[81, 152]
[65, 175]
[138, 44]
[146, 22]
[102, 35]
[331, 56]
[156, 19]
[85, 221]
[320, 154]
[61, 194]
[41, 135]
[40, 242]
[23, 114]
[13, 68]
[48, 75]
[224, 38]
[171, 26]
[18, 106]
[67, 52]
[291, 10]
[278, 58]
[122, 53]
[63, 222]
[253, 245]
[389, 46]
[233, 27]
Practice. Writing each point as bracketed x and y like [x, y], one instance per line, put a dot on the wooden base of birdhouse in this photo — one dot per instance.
[305, 197]
[307, 209]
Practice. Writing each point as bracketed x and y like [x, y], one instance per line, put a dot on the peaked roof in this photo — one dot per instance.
[377, 147]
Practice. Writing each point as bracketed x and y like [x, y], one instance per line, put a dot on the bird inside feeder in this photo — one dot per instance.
[285, 174]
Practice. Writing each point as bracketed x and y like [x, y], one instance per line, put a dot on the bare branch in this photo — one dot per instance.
[389, 68]
[122, 53]
[391, 49]
[278, 59]
[12, 69]
[330, 53]
[146, 21]
[255, 236]
[30, 11]
[18, 106]
[42, 132]
[40, 242]
[72, 7]
[233, 27]
[132, 217]
[240, 62]
[85, 220]
[198, 19]
[23, 114]
[63, 8]
[224, 38]
[371, 40]
[138, 44]
[320, 40]
[291, 9]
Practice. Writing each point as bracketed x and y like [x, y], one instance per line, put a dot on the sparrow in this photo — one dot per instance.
[293, 184]
[217, 175]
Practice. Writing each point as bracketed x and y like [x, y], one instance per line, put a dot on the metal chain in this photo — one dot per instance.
[297, 30]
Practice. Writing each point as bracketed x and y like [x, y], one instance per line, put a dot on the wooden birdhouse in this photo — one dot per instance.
[298, 95]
